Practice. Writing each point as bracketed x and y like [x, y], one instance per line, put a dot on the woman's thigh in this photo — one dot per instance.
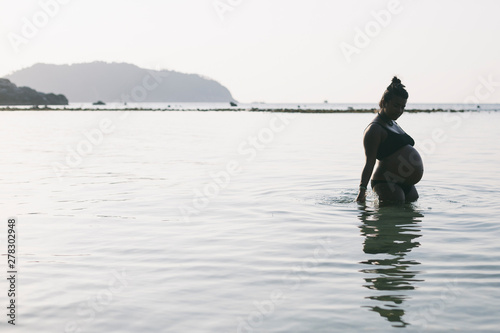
[412, 195]
[389, 193]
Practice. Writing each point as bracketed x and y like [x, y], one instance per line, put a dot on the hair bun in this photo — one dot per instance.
[394, 89]
[396, 83]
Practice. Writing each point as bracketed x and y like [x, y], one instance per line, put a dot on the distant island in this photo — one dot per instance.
[11, 94]
[120, 82]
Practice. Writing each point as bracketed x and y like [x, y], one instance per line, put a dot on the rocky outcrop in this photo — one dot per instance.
[10, 94]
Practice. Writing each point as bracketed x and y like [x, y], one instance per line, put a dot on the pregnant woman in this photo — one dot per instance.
[399, 165]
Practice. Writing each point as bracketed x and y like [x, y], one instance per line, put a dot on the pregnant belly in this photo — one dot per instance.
[404, 166]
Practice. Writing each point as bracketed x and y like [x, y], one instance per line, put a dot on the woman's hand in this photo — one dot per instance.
[361, 195]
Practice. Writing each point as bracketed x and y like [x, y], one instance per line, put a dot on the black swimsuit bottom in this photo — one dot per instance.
[406, 188]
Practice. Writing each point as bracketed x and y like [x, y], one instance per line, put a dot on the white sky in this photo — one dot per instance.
[273, 50]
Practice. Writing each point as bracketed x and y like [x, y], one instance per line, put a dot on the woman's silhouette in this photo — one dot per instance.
[399, 165]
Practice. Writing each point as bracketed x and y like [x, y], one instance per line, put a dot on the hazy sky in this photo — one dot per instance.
[273, 50]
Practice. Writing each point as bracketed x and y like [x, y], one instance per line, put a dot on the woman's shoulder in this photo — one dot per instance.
[375, 126]
[375, 131]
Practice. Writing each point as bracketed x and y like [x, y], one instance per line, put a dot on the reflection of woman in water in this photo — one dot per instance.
[399, 165]
[390, 234]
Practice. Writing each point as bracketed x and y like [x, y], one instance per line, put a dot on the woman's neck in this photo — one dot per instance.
[385, 118]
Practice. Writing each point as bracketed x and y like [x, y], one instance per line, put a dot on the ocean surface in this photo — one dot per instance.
[267, 106]
[245, 222]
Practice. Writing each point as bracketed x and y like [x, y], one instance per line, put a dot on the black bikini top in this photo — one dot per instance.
[392, 143]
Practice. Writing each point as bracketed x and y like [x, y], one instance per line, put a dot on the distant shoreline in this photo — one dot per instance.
[233, 109]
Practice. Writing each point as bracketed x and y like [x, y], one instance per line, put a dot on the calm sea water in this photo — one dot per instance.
[180, 106]
[245, 222]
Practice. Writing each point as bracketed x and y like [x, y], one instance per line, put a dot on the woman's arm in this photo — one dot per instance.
[371, 142]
